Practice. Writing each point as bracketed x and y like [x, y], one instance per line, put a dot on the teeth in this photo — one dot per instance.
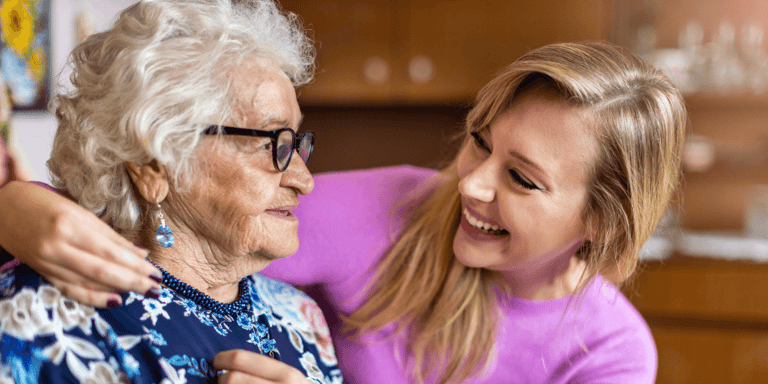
[483, 226]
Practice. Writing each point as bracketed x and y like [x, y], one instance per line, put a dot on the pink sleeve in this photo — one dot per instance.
[346, 224]
[44, 185]
[10, 265]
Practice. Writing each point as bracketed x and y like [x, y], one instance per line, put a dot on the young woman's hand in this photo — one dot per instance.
[71, 247]
[243, 366]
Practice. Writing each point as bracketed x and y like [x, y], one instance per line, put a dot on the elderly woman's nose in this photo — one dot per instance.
[297, 176]
[479, 184]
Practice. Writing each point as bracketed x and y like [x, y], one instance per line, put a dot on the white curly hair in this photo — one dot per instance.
[145, 90]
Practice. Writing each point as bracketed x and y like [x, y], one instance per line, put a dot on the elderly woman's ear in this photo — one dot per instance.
[150, 180]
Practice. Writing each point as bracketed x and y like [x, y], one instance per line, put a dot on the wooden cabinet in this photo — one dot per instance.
[349, 35]
[737, 127]
[428, 51]
[709, 319]
[732, 118]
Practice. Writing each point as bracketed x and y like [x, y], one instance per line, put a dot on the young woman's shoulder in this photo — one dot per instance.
[347, 222]
[352, 202]
[394, 181]
[619, 344]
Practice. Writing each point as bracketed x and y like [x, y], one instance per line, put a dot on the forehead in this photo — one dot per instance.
[557, 136]
[263, 95]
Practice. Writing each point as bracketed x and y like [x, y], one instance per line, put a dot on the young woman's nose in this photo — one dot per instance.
[480, 184]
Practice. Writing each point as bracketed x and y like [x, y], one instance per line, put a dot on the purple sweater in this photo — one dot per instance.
[345, 226]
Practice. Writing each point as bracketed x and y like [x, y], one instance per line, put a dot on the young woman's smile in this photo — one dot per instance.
[480, 228]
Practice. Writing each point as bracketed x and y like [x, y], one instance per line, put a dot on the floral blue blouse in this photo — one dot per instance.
[47, 338]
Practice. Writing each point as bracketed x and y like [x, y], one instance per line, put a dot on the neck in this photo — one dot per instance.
[559, 277]
[203, 265]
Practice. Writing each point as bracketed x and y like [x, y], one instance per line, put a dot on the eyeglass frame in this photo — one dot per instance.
[273, 135]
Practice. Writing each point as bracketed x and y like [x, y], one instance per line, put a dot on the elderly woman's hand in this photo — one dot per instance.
[250, 367]
[71, 247]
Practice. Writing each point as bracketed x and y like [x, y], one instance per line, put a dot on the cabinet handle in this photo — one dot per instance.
[376, 70]
[421, 69]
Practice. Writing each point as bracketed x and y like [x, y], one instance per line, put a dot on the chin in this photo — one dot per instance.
[277, 249]
[467, 255]
[285, 251]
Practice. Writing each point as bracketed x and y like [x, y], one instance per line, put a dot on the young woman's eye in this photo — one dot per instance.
[480, 142]
[522, 181]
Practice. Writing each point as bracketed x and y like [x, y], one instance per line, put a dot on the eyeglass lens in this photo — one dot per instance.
[284, 149]
[305, 147]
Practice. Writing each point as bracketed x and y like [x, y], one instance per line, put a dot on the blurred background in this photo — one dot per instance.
[396, 78]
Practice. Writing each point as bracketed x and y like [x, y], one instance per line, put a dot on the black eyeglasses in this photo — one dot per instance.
[284, 142]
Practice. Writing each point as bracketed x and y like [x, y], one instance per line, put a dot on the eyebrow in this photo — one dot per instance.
[527, 161]
[280, 122]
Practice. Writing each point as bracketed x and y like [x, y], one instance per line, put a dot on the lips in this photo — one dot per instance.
[483, 224]
[282, 212]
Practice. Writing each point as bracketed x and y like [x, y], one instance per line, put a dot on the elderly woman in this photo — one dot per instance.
[181, 134]
[501, 268]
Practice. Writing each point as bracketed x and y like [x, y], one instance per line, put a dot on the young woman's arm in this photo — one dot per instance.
[343, 230]
[69, 246]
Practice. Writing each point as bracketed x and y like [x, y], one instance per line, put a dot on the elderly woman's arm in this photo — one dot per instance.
[69, 246]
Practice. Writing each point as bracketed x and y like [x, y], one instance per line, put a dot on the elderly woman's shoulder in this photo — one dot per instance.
[289, 305]
[16, 277]
[45, 334]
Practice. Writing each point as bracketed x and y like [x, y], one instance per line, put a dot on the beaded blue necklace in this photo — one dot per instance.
[205, 301]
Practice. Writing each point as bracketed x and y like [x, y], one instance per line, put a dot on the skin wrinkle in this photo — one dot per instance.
[220, 223]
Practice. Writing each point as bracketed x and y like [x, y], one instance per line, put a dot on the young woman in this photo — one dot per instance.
[500, 268]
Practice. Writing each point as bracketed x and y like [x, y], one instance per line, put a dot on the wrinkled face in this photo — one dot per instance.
[239, 204]
[524, 182]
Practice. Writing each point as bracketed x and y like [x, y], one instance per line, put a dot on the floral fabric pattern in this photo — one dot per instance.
[46, 337]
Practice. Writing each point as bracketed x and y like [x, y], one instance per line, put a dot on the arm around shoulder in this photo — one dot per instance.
[70, 246]
[24, 207]
[34, 221]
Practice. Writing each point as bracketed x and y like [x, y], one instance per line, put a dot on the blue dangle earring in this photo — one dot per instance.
[164, 234]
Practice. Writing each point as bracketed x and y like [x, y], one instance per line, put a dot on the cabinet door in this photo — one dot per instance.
[430, 51]
[691, 355]
[354, 50]
[467, 42]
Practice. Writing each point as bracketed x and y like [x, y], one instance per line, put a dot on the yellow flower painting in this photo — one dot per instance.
[25, 51]
[18, 24]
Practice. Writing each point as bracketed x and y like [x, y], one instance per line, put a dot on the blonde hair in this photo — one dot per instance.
[640, 128]
[145, 89]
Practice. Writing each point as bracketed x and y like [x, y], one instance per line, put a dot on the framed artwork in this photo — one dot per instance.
[26, 47]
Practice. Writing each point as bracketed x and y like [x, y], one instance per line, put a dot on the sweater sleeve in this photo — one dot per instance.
[347, 223]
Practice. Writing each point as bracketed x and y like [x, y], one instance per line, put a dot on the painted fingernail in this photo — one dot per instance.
[113, 303]
[153, 293]
[156, 278]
